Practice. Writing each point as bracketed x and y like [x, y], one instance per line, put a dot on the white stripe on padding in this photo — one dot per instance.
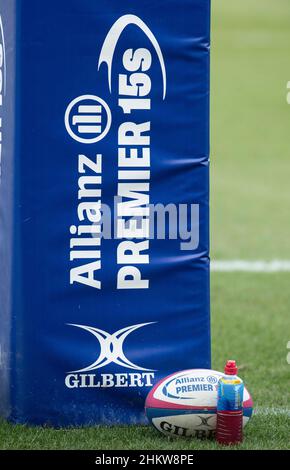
[251, 266]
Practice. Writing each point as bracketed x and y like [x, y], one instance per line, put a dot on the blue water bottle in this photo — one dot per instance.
[230, 406]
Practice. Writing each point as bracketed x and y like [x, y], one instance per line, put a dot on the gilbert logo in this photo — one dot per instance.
[205, 420]
[111, 348]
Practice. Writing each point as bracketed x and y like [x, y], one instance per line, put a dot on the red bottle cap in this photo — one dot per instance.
[231, 368]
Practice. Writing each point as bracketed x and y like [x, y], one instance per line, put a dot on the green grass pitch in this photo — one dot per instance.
[250, 220]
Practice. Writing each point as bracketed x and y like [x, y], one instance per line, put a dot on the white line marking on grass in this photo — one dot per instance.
[268, 411]
[274, 266]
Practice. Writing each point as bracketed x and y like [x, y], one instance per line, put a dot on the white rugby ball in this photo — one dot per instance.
[184, 404]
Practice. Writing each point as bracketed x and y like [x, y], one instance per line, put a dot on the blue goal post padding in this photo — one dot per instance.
[104, 205]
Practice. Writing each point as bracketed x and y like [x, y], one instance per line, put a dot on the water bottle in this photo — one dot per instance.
[230, 406]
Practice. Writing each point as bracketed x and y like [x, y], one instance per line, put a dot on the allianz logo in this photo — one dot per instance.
[88, 119]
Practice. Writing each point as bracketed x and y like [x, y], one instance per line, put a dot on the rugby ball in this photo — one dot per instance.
[184, 404]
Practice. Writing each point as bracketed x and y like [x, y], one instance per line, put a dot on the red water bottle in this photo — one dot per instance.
[230, 406]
